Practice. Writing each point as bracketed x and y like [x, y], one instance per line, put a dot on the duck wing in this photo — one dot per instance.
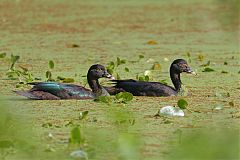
[52, 90]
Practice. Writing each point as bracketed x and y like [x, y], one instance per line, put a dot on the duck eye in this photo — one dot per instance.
[183, 65]
[99, 69]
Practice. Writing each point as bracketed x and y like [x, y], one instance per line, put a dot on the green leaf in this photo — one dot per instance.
[110, 71]
[14, 59]
[3, 55]
[110, 67]
[141, 56]
[72, 45]
[146, 78]
[6, 144]
[65, 80]
[118, 76]
[83, 115]
[189, 57]
[182, 104]
[163, 81]
[123, 61]
[231, 104]
[47, 125]
[68, 80]
[118, 61]
[143, 78]
[12, 75]
[124, 97]
[48, 75]
[207, 69]
[51, 64]
[126, 69]
[104, 99]
[200, 57]
[60, 78]
[224, 72]
[76, 137]
[225, 63]
[205, 65]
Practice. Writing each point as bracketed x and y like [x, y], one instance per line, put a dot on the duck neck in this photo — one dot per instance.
[94, 85]
[175, 77]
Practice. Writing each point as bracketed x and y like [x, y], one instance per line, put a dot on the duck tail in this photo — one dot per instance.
[26, 94]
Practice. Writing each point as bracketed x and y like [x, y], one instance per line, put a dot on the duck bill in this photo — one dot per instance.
[109, 76]
[190, 71]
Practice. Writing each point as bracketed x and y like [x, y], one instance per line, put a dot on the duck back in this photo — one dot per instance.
[141, 88]
[55, 91]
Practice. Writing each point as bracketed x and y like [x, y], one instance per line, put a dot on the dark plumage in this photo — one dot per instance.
[141, 88]
[56, 91]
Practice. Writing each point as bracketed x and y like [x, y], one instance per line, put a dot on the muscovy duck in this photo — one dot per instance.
[156, 89]
[57, 91]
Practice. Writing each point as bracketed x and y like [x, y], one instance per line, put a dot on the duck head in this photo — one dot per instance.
[97, 71]
[180, 65]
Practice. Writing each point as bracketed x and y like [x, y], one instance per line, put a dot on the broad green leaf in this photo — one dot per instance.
[68, 80]
[51, 64]
[189, 57]
[76, 137]
[110, 71]
[65, 80]
[3, 55]
[128, 146]
[110, 67]
[207, 69]
[182, 104]
[60, 78]
[118, 76]
[147, 78]
[104, 99]
[143, 78]
[231, 104]
[47, 125]
[6, 144]
[14, 59]
[118, 61]
[205, 65]
[48, 74]
[224, 72]
[200, 57]
[83, 115]
[141, 56]
[163, 81]
[124, 97]
[123, 61]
